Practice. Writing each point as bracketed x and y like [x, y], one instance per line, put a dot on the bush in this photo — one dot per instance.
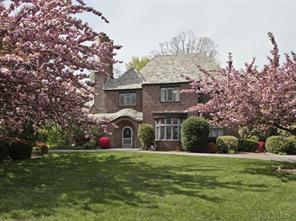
[260, 132]
[4, 148]
[292, 148]
[20, 150]
[146, 135]
[195, 133]
[212, 140]
[212, 148]
[277, 145]
[227, 144]
[255, 138]
[247, 145]
[42, 135]
[104, 142]
[56, 137]
[90, 145]
[261, 146]
[40, 148]
[79, 136]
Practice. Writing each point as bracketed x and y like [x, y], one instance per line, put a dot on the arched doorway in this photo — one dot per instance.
[127, 137]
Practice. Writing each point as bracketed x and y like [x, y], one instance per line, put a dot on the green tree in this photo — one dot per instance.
[137, 63]
[146, 135]
[195, 133]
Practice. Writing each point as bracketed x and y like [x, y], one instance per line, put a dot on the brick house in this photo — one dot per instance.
[150, 96]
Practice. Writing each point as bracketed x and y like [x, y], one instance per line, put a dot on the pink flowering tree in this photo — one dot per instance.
[45, 53]
[251, 96]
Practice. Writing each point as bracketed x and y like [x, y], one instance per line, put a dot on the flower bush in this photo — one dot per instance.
[104, 142]
[261, 146]
[40, 148]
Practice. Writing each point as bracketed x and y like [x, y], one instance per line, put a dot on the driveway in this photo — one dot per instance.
[258, 156]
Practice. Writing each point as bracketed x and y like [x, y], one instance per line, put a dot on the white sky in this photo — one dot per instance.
[239, 26]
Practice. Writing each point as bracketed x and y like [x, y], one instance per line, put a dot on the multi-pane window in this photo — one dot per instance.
[170, 94]
[167, 129]
[127, 99]
[216, 131]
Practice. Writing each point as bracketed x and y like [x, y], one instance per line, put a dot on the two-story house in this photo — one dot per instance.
[151, 96]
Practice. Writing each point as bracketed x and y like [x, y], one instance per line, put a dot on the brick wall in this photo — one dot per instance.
[112, 100]
[152, 103]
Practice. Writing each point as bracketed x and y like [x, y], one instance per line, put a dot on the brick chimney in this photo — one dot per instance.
[101, 78]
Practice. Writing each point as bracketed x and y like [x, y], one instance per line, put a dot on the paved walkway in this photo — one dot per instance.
[259, 156]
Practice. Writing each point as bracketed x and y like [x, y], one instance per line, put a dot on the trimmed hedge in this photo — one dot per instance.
[146, 135]
[20, 151]
[227, 144]
[4, 149]
[195, 133]
[247, 145]
[292, 141]
[16, 149]
[277, 145]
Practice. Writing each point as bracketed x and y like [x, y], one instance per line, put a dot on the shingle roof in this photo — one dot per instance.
[129, 80]
[169, 69]
[127, 112]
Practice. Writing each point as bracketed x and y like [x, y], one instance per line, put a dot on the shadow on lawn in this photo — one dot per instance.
[84, 181]
[264, 169]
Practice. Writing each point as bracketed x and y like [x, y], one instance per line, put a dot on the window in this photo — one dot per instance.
[167, 129]
[170, 94]
[127, 99]
[216, 131]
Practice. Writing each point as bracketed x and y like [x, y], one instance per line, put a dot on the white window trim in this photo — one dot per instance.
[158, 124]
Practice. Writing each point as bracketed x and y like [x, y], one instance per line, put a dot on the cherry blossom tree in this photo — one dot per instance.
[251, 96]
[45, 53]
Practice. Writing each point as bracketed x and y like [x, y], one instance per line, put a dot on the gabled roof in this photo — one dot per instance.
[169, 69]
[131, 79]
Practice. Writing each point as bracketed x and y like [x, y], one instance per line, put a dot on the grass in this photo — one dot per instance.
[136, 186]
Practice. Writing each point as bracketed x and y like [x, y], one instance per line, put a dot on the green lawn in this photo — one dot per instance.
[136, 186]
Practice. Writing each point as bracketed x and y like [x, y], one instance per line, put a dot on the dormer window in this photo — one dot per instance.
[170, 94]
[127, 99]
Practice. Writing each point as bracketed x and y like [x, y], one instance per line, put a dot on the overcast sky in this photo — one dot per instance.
[237, 26]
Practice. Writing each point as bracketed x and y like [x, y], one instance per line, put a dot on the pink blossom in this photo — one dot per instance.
[45, 45]
[250, 96]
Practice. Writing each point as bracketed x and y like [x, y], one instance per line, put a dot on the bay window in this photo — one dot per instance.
[168, 129]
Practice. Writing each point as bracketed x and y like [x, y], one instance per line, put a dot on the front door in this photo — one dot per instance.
[127, 137]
